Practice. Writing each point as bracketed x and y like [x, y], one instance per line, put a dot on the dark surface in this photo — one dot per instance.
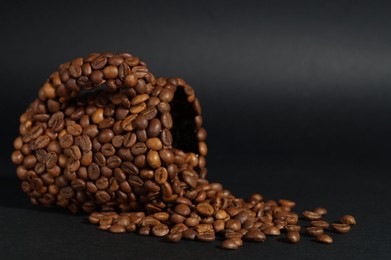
[296, 100]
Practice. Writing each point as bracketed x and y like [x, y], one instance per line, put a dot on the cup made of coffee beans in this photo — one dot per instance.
[106, 137]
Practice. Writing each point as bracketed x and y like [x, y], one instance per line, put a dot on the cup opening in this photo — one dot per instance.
[184, 130]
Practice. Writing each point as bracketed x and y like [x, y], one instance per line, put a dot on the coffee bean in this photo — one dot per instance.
[160, 230]
[117, 229]
[314, 231]
[174, 237]
[255, 235]
[206, 237]
[161, 175]
[74, 129]
[340, 228]
[348, 219]
[287, 203]
[293, 228]
[127, 123]
[166, 137]
[131, 80]
[310, 215]
[110, 72]
[154, 128]
[153, 159]
[321, 211]
[129, 168]
[166, 120]
[325, 239]
[320, 223]
[99, 62]
[272, 231]
[229, 244]
[189, 234]
[293, 236]
[205, 209]
[154, 143]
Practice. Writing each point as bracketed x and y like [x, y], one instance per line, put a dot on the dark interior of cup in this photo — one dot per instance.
[184, 131]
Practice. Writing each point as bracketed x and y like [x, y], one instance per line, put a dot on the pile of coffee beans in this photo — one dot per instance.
[106, 137]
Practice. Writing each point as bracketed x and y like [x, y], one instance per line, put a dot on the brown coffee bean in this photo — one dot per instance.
[272, 231]
[182, 209]
[320, 223]
[314, 231]
[166, 120]
[293, 228]
[141, 122]
[321, 211]
[105, 136]
[74, 152]
[189, 234]
[129, 168]
[162, 216]
[160, 230]
[17, 157]
[293, 236]
[229, 244]
[66, 141]
[340, 228]
[161, 175]
[154, 143]
[102, 197]
[233, 224]
[310, 215]
[74, 129]
[154, 127]
[206, 237]
[117, 229]
[174, 237]
[255, 235]
[41, 142]
[48, 90]
[131, 80]
[325, 239]
[348, 219]
[153, 159]
[29, 161]
[110, 72]
[127, 123]
[205, 209]
[287, 203]
[166, 137]
[91, 131]
[166, 95]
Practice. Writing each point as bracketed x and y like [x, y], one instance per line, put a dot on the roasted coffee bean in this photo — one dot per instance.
[160, 230]
[320, 223]
[189, 234]
[166, 137]
[174, 237]
[205, 209]
[166, 120]
[255, 235]
[74, 129]
[154, 127]
[293, 236]
[229, 244]
[340, 228]
[161, 175]
[153, 159]
[314, 231]
[66, 141]
[206, 237]
[348, 219]
[325, 239]
[321, 211]
[272, 231]
[293, 228]
[310, 215]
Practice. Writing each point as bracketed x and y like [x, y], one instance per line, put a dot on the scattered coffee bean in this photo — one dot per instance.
[310, 215]
[348, 219]
[325, 239]
[340, 228]
[229, 244]
[314, 231]
[293, 236]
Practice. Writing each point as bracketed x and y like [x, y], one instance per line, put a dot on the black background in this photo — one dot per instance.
[296, 100]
